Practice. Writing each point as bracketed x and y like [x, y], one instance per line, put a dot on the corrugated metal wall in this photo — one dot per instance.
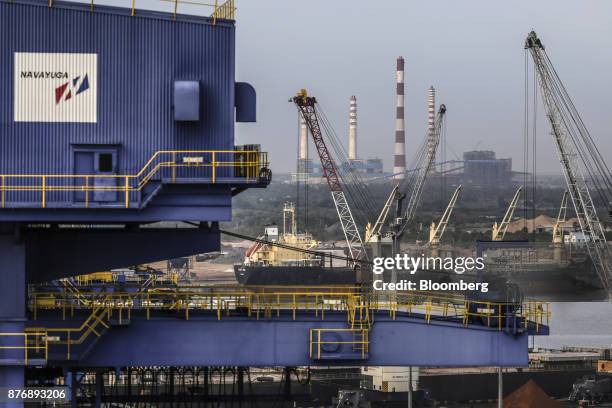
[138, 58]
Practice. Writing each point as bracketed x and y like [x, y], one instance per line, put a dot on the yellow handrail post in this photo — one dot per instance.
[173, 167]
[310, 343]
[3, 179]
[215, 13]
[44, 191]
[127, 191]
[214, 168]
[25, 349]
[133, 7]
[86, 191]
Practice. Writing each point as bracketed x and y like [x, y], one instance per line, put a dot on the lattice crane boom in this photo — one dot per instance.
[557, 234]
[571, 138]
[499, 230]
[433, 140]
[307, 107]
[436, 232]
[372, 231]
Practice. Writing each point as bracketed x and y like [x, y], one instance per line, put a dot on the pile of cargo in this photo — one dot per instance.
[530, 395]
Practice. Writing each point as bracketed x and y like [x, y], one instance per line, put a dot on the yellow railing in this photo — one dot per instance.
[270, 301]
[72, 336]
[225, 10]
[34, 344]
[359, 341]
[210, 165]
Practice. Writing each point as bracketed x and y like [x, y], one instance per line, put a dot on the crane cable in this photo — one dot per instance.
[362, 262]
[322, 254]
[353, 182]
[354, 186]
[591, 158]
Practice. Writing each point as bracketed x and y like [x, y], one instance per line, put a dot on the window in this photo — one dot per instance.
[105, 162]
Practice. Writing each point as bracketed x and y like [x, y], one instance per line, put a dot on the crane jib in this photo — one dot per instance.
[579, 158]
[307, 107]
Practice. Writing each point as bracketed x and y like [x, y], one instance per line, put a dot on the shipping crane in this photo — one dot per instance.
[437, 231]
[372, 231]
[499, 231]
[424, 166]
[557, 233]
[307, 107]
[578, 155]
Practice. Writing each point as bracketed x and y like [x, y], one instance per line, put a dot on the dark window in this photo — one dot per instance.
[105, 162]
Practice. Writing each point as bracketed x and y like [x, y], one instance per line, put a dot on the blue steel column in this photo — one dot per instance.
[12, 311]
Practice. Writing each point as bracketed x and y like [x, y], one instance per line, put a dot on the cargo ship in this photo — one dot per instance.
[268, 264]
[543, 271]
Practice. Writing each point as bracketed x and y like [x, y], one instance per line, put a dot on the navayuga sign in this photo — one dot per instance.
[55, 87]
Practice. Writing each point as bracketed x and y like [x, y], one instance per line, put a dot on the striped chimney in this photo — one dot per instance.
[431, 115]
[303, 139]
[399, 166]
[353, 128]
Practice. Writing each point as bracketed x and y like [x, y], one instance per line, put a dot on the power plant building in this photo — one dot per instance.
[481, 167]
[399, 161]
[313, 171]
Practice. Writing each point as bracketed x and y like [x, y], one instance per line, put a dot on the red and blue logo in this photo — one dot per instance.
[72, 88]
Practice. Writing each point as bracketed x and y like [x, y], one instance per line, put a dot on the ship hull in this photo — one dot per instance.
[294, 275]
[576, 281]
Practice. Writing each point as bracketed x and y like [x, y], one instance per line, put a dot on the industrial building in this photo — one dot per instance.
[312, 172]
[482, 168]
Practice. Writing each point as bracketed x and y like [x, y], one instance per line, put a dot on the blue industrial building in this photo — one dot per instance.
[113, 115]
[134, 109]
[112, 119]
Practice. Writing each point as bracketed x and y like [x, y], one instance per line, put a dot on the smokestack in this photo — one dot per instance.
[399, 167]
[303, 140]
[431, 114]
[353, 128]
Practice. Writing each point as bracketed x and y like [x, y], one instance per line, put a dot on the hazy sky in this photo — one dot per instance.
[471, 51]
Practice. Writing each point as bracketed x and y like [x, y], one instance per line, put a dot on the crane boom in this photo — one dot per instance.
[557, 233]
[575, 150]
[437, 231]
[375, 230]
[307, 107]
[499, 231]
[433, 140]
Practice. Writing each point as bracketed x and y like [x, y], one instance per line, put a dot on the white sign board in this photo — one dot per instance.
[55, 87]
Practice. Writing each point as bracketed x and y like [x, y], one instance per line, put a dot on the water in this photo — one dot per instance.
[578, 324]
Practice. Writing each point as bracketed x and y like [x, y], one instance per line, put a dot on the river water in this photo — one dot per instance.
[578, 324]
